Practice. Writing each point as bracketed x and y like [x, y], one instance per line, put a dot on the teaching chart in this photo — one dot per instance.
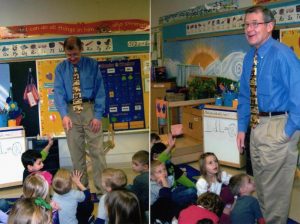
[135, 76]
[144, 80]
[12, 145]
[124, 93]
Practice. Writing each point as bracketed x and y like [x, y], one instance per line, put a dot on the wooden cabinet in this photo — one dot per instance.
[192, 123]
[190, 146]
[158, 90]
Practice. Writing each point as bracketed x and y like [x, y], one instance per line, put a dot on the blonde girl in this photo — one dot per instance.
[212, 178]
[30, 210]
[35, 185]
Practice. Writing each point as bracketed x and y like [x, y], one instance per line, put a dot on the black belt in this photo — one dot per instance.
[268, 114]
[84, 100]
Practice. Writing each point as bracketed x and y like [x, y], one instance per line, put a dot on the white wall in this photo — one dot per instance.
[165, 7]
[26, 12]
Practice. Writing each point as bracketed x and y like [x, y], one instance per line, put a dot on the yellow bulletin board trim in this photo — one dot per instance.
[291, 38]
[50, 120]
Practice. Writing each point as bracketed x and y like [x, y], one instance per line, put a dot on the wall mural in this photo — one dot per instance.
[215, 56]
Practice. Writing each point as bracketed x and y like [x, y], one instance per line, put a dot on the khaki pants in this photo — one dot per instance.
[274, 159]
[78, 136]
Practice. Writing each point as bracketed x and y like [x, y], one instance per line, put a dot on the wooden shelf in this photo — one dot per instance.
[187, 149]
[190, 102]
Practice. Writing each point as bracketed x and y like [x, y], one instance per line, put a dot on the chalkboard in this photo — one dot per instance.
[18, 78]
[219, 135]
[12, 145]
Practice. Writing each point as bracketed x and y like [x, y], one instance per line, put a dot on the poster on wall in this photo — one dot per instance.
[145, 74]
[200, 11]
[50, 120]
[234, 22]
[124, 93]
[257, 2]
[79, 28]
[215, 56]
[4, 86]
[53, 47]
[291, 38]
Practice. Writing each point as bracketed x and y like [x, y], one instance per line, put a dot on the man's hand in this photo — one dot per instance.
[67, 123]
[95, 125]
[240, 140]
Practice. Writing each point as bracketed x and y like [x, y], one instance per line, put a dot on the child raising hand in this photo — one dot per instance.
[163, 153]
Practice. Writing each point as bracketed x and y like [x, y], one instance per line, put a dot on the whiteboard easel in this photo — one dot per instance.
[12, 145]
[219, 136]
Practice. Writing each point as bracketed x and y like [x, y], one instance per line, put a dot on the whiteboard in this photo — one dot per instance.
[12, 145]
[219, 135]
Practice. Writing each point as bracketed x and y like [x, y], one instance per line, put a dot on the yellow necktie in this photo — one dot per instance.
[253, 94]
[77, 100]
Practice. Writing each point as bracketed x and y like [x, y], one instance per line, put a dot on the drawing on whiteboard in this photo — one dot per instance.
[15, 149]
[218, 126]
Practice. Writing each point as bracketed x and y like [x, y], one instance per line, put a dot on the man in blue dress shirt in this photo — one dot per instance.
[273, 141]
[84, 127]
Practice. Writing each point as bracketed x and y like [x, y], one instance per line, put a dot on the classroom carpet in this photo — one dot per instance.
[190, 171]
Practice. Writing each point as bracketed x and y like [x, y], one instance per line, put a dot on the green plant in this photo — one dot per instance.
[201, 88]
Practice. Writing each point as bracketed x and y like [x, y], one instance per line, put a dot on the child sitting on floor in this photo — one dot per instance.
[36, 186]
[30, 210]
[209, 206]
[161, 152]
[70, 200]
[112, 179]
[123, 207]
[213, 179]
[140, 165]
[166, 198]
[246, 208]
[32, 161]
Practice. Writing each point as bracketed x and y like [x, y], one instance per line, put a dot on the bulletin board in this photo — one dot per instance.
[291, 38]
[50, 120]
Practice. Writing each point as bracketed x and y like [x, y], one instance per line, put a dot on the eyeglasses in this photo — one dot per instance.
[253, 25]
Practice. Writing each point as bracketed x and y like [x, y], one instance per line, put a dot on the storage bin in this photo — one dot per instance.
[3, 120]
